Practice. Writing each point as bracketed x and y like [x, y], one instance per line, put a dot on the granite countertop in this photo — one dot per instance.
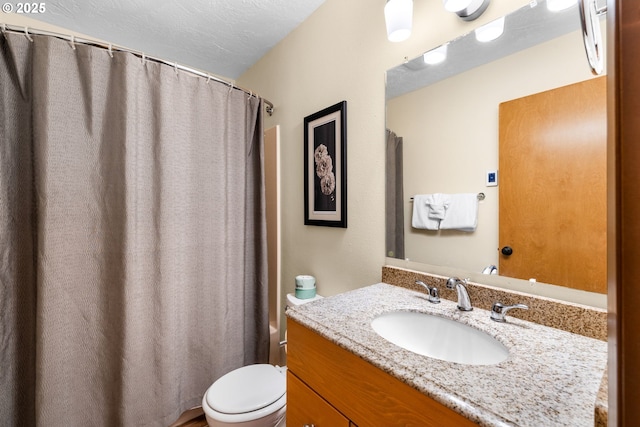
[551, 377]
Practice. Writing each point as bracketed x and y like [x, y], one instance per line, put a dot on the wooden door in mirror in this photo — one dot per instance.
[552, 199]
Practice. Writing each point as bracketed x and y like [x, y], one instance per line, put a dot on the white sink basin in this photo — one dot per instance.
[440, 338]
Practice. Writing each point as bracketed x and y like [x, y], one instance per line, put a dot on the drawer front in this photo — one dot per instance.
[306, 408]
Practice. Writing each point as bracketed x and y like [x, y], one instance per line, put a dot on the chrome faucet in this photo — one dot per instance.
[434, 296]
[464, 302]
[499, 310]
[490, 269]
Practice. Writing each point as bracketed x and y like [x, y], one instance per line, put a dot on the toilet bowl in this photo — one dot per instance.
[251, 396]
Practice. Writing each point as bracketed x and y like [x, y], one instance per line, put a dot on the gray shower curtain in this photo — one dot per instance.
[132, 252]
[394, 192]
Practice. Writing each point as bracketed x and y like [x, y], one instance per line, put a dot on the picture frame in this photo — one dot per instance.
[325, 167]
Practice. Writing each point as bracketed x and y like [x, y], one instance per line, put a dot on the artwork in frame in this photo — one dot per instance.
[325, 167]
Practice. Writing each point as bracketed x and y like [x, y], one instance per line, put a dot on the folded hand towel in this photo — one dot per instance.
[437, 204]
[420, 218]
[462, 213]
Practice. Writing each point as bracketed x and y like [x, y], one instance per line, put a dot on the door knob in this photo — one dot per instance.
[506, 251]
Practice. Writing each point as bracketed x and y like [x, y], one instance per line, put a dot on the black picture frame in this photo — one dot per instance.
[325, 167]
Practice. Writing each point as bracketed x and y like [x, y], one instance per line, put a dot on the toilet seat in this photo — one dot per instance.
[247, 393]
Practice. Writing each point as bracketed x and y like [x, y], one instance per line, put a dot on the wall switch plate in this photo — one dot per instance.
[492, 178]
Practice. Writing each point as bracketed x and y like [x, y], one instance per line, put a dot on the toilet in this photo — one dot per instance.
[251, 396]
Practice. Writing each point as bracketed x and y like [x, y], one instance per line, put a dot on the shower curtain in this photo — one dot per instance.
[132, 253]
[394, 188]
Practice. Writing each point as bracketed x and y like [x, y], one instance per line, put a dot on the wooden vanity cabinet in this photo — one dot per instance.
[325, 380]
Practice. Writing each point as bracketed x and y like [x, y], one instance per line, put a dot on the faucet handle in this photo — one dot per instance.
[434, 295]
[499, 310]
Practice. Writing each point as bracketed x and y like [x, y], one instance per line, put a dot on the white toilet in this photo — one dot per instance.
[251, 396]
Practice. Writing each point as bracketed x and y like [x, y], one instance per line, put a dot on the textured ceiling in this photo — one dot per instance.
[223, 37]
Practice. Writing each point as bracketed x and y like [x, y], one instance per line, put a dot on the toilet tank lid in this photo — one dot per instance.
[293, 300]
[247, 389]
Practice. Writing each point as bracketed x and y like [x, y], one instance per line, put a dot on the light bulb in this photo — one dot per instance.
[558, 5]
[456, 5]
[490, 31]
[437, 55]
[398, 15]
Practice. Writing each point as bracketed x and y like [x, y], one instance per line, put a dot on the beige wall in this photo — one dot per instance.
[341, 53]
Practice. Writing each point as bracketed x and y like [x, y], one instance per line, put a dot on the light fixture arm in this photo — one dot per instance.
[473, 10]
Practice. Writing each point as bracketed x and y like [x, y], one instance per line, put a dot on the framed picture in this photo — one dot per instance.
[325, 167]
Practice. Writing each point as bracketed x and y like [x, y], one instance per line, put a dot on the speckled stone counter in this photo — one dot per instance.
[551, 377]
[602, 403]
[579, 319]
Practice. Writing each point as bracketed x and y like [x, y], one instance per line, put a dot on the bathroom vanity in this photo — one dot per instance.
[325, 381]
[342, 373]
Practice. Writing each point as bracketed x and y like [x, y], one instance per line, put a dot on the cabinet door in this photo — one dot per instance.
[305, 407]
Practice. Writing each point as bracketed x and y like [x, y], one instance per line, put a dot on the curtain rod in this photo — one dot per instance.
[27, 32]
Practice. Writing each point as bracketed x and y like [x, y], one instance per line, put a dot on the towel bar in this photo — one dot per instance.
[481, 196]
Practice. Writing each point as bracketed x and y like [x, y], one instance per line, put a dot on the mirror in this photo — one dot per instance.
[447, 118]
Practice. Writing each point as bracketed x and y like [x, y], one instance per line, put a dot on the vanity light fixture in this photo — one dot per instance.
[468, 10]
[398, 15]
[558, 5]
[437, 55]
[490, 31]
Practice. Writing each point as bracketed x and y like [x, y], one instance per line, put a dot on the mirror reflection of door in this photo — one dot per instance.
[553, 181]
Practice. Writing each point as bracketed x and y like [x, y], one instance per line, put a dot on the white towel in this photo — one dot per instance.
[420, 218]
[462, 213]
[437, 204]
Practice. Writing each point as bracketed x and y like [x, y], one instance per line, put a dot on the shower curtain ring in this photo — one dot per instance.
[144, 59]
[175, 67]
[26, 33]
[73, 42]
[4, 29]
[110, 50]
[208, 78]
